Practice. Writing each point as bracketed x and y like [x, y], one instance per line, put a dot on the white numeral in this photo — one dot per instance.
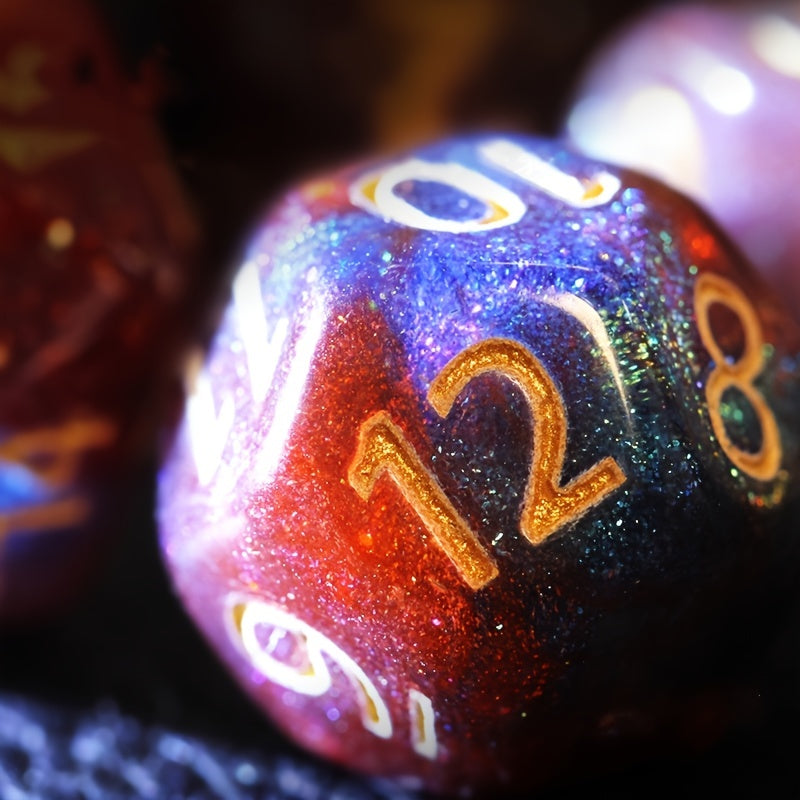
[375, 193]
[311, 675]
[544, 176]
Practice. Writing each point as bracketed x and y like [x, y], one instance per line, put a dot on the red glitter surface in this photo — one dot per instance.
[368, 571]
[334, 599]
[94, 244]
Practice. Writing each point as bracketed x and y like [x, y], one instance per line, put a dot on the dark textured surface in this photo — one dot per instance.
[121, 699]
[629, 615]
[121, 689]
[100, 754]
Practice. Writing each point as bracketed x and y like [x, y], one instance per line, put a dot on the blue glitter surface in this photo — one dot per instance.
[595, 273]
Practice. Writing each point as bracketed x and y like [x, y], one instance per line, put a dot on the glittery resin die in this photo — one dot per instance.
[491, 468]
[708, 100]
[92, 236]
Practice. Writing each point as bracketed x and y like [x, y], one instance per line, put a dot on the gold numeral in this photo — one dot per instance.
[49, 516]
[764, 464]
[28, 148]
[548, 506]
[21, 90]
[382, 447]
[53, 455]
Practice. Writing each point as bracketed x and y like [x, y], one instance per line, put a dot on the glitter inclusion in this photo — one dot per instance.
[340, 611]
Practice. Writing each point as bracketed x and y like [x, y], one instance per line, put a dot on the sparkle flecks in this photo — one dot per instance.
[575, 325]
[703, 98]
[94, 248]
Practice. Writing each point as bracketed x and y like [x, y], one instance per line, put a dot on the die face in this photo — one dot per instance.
[491, 439]
[93, 251]
[704, 99]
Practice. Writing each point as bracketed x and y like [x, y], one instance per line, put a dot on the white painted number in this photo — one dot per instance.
[292, 654]
[375, 192]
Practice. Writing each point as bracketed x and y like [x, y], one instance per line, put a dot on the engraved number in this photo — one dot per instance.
[548, 506]
[375, 193]
[382, 447]
[20, 87]
[53, 455]
[292, 654]
[306, 672]
[548, 178]
[762, 465]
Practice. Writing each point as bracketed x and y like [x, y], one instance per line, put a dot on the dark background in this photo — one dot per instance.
[257, 93]
[254, 95]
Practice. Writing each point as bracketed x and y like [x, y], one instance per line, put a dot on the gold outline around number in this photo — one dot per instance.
[709, 289]
[547, 506]
[53, 454]
[382, 447]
